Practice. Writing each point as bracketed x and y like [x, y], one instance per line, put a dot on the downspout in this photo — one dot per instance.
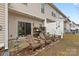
[62, 28]
[6, 51]
[6, 27]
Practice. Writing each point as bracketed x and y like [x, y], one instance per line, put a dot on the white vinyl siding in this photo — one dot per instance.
[2, 23]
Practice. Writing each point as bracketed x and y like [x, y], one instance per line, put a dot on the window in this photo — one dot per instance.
[53, 14]
[24, 28]
[42, 8]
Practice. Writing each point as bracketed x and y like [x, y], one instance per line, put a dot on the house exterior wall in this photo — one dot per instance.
[67, 27]
[78, 28]
[58, 21]
[29, 8]
[33, 9]
[13, 24]
[48, 12]
[2, 24]
[74, 28]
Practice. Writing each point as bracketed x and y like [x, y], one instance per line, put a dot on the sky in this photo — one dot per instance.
[71, 10]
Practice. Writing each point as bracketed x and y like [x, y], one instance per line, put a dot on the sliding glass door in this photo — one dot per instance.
[24, 28]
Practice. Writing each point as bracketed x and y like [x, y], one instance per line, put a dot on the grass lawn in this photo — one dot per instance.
[69, 46]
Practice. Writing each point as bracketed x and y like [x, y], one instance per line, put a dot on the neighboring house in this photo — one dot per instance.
[55, 27]
[23, 17]
[67, 26]
[77, 28]
[3, 26]
[74, 28]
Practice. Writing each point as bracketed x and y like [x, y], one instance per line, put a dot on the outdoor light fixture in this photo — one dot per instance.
[0, 28]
